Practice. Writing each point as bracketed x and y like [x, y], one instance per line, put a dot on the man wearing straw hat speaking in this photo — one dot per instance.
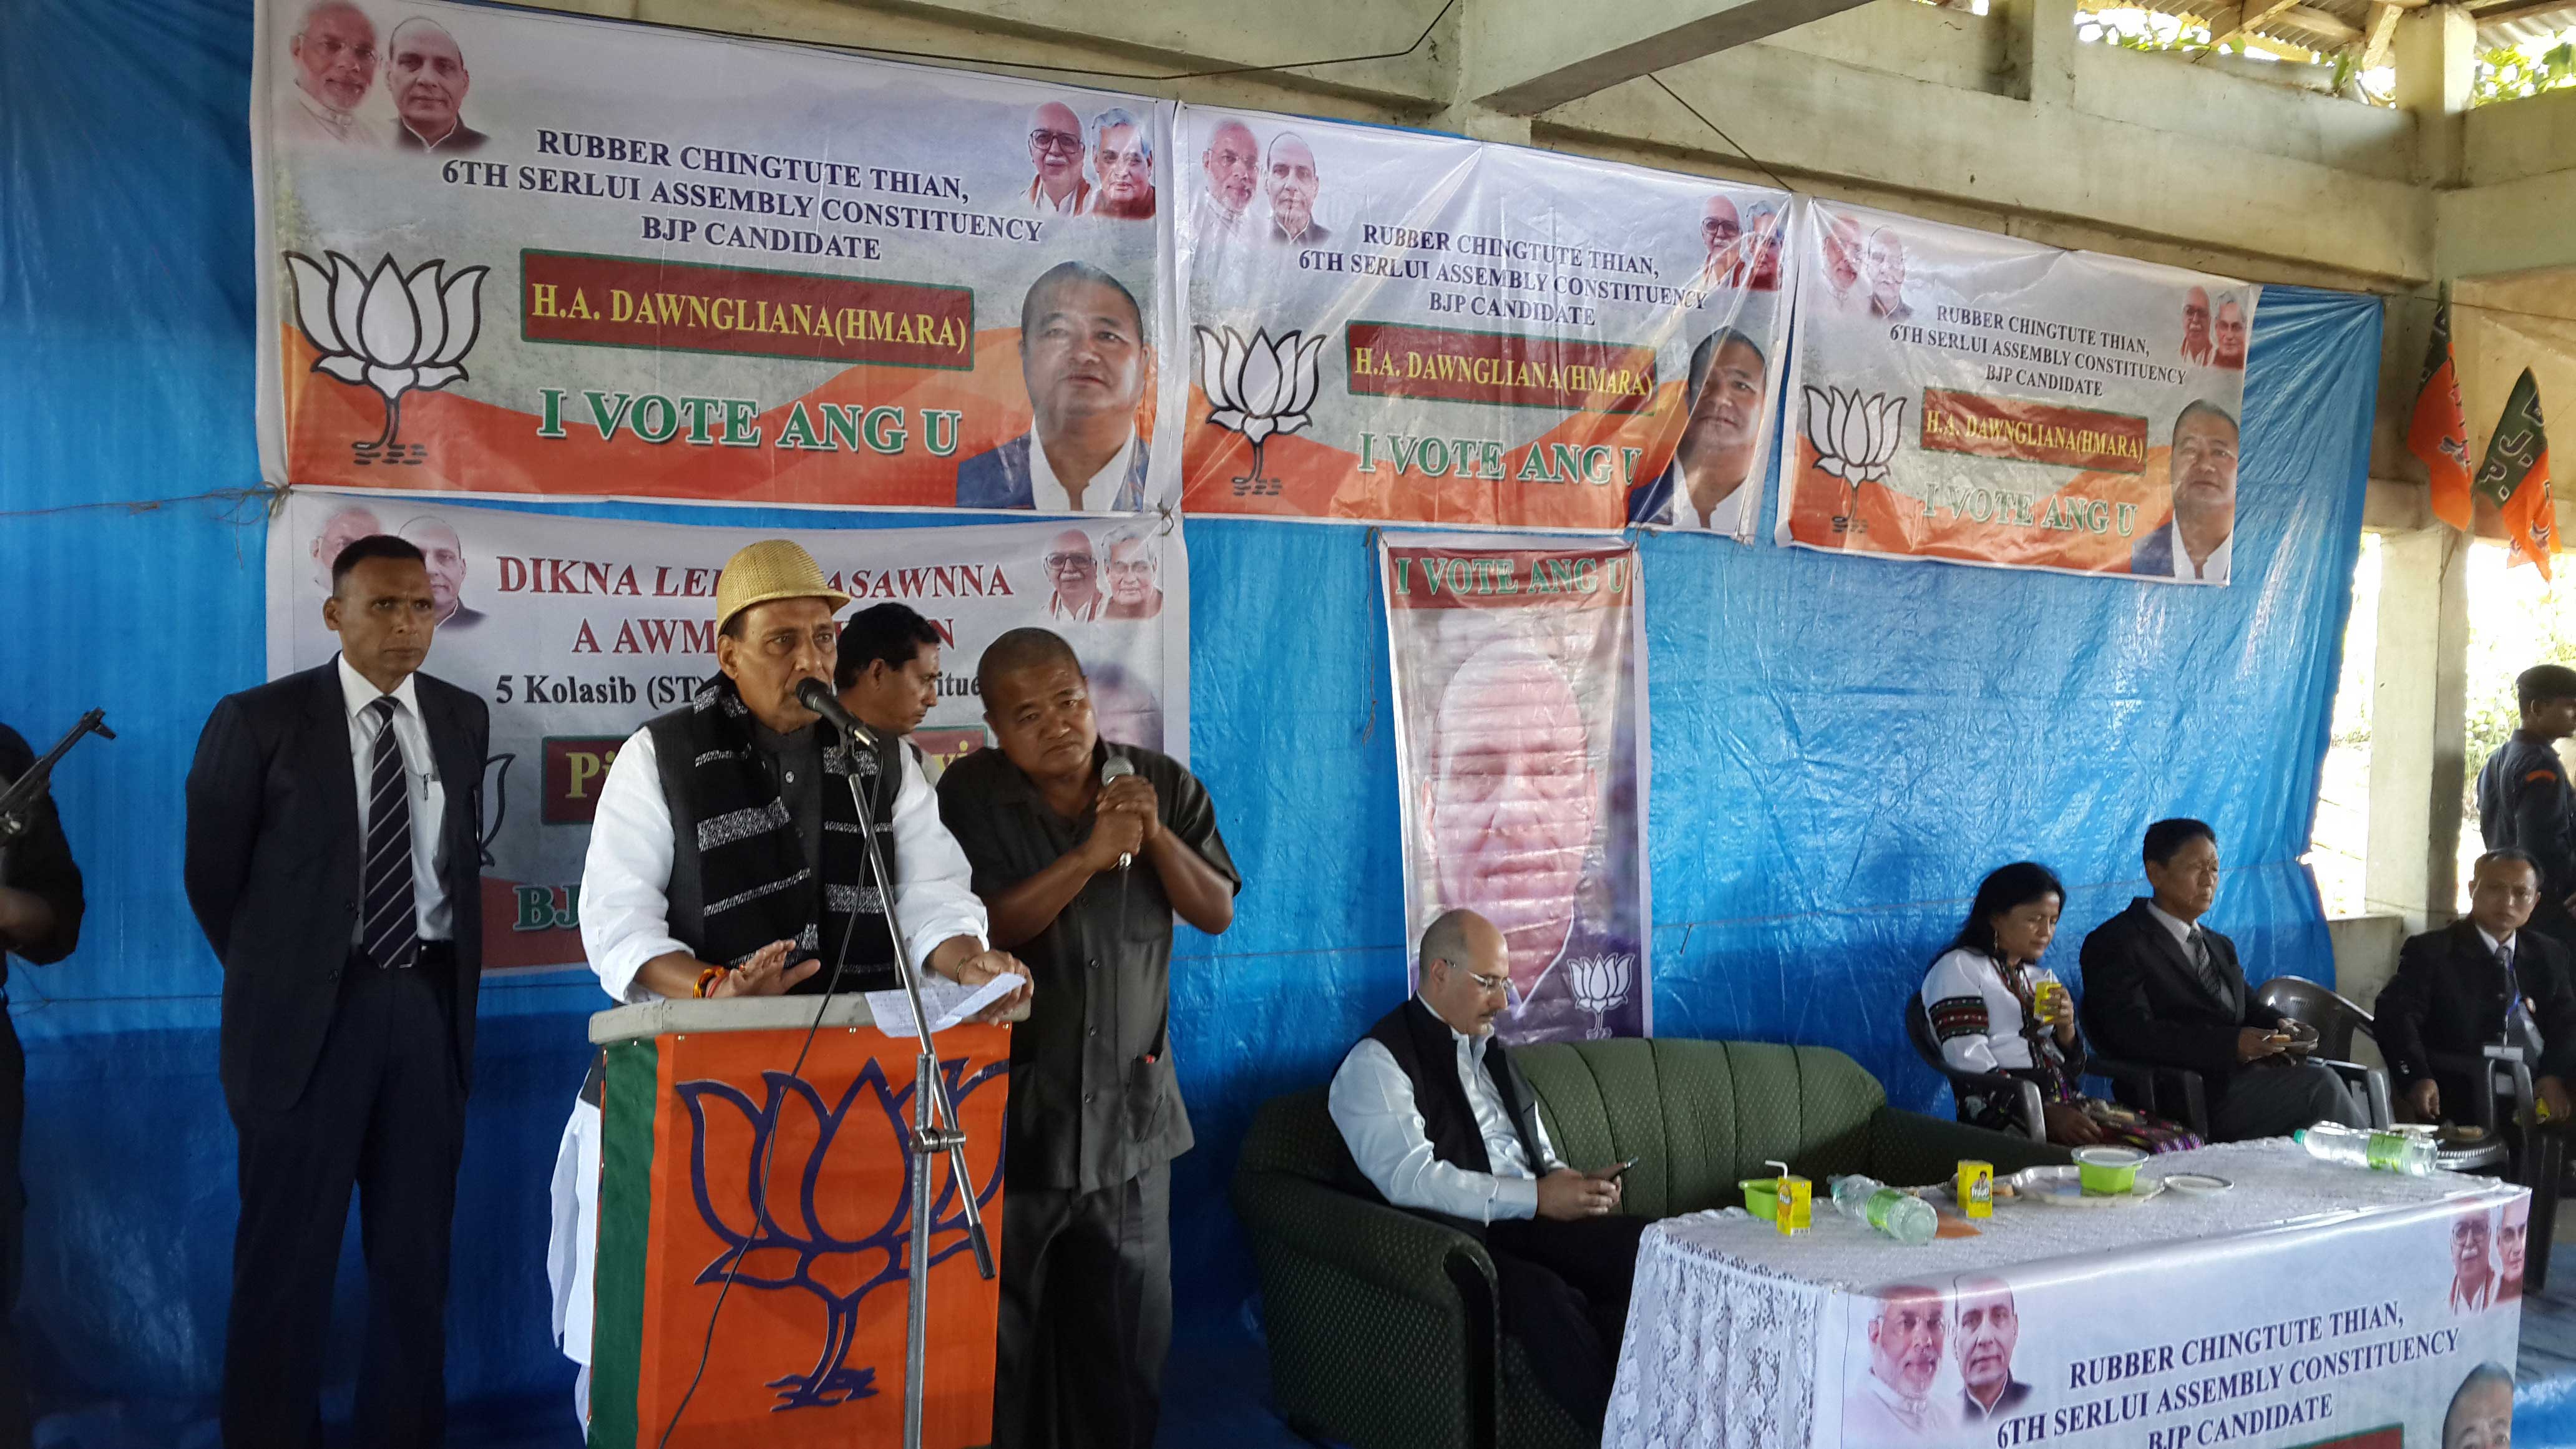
[726, 858]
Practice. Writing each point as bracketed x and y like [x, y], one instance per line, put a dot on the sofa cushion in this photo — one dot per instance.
[1699, 1116]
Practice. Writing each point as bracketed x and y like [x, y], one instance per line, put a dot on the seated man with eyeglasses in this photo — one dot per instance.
[1442, 1123]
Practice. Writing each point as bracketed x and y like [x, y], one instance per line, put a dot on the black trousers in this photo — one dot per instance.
[1564, 1288]
[1086, 1315]
[17, 1427]
[2273, 1101]
[385, 1114]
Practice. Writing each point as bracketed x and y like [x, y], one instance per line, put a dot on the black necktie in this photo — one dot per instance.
[391, 932]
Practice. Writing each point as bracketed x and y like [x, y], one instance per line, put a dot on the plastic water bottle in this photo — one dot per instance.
[2410, 1153]
[1902, 1216]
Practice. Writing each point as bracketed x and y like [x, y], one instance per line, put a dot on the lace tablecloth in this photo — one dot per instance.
[1721, 1345]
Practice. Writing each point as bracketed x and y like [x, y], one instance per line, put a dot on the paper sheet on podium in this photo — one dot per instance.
[947, 1002]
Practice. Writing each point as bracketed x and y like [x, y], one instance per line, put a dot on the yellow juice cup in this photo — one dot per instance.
[2043, 998]
[1975, 1189]
[1796, 1201]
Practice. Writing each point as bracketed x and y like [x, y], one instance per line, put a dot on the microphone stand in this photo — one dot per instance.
[930, 1107]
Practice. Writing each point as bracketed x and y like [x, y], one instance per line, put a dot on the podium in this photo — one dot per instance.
[809, 1349]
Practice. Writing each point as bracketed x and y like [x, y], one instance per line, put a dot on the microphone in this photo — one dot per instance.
[817, 696]
[1115, 767]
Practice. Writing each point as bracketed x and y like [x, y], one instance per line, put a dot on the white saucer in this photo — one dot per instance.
[2197, 1184]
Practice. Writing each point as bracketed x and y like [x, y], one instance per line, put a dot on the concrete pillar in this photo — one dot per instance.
[2043, 50]
[1478, 122]
[2418, 727]
[2437, 57]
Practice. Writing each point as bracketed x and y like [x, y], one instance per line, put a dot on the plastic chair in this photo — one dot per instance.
[1918, 1027]
[2335, 1020]
[2141, 1084]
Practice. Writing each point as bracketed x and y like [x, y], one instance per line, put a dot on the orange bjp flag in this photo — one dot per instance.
[2439, 432]
[2515, 477]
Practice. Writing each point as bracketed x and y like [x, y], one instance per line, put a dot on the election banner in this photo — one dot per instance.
[578, 630]
[1388, 325]
[505, 252]
[1521, 764]
[1959, 395]
[2383, 1331]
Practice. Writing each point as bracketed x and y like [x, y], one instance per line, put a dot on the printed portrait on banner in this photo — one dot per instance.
[1965, 396]
[1392, 325]
[578, 630]
[1519, 691]
[519, 253]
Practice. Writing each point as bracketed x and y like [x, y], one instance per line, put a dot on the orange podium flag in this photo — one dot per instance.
[809, 1348]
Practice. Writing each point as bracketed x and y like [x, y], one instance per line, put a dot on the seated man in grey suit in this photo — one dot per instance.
[2163, 989]
[2201, 540]
[1083, 354]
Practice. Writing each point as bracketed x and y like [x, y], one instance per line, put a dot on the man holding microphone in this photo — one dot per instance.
[726, 859]
[1083, 850]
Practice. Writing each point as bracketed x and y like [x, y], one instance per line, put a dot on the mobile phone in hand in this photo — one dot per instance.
[1620, 1171]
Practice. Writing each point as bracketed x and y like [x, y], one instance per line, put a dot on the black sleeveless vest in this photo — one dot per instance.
[1427, 1054]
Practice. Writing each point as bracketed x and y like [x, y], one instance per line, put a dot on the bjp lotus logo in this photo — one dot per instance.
[823, 1242]
[1855, 438]
[388, 331]
[1261, 389]
[1600, 984]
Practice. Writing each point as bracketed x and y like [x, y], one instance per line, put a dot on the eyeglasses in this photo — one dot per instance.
[1062, 143]
[1068, 560]
[1132, 567]
[1490, 985]
[333, 49]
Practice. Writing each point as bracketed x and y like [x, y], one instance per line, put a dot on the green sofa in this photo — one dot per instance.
[1381, 1323]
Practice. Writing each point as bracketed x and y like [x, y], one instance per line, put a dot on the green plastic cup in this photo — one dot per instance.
[2108, 1171]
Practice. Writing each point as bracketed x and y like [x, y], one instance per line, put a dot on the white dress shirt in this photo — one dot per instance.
[1880, 1415]
[420, 774]
[302, 118]
[625, 880]
[2214, 571]
[1047, 495]
[2179, 928]
[1044, 205]
[1217, 222]
[1372, 1103]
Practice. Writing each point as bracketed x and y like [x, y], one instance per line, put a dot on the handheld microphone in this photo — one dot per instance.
[817, 696]
[1114, 768]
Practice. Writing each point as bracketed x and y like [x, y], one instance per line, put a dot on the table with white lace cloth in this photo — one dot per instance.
[1726, 1340]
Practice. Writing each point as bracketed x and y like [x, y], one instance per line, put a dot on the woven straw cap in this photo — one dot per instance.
[774, 568]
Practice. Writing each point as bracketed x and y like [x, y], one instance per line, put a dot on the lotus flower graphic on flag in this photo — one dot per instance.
[1855, 438]
[786, 1233]
[1262, 388]
[386, 330]
[1601, 983]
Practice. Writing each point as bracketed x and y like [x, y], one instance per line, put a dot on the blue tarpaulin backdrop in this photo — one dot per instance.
[1841, 747]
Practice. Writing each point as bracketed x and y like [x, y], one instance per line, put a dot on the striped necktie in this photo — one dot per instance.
[392, 931]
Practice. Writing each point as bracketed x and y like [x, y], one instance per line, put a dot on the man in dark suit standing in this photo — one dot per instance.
[40, 921]
[2481, 981]
[2162, 989]
[334, 864]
